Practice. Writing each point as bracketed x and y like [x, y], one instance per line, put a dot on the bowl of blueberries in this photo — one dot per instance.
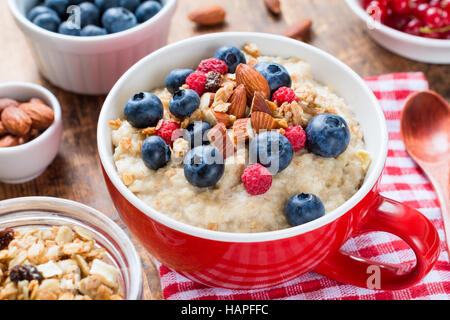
[84, 46]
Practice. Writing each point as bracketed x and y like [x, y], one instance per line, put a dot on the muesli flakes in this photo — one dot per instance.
[60, 263]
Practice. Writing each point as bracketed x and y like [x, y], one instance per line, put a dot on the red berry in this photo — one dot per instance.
[378, 10]
[414, 4]
[397, 21]
[445, 35]
[421, 10]
[435, 3]
[284, 94]
[213, 64]
[256, 179]
[400, 6]
[435, 17]
[296, 136]
[413, 27]
[167, 132]
[197, 81]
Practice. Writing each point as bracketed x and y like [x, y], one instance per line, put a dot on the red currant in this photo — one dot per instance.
[421, 10]
[397, 21]
[445, 35]
[400, 6]
[413, 27]
[435, 18]
[378, 10]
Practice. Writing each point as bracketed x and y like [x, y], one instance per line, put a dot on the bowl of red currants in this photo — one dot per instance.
[415, 29]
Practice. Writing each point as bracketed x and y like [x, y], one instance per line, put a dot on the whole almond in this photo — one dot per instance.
[34, 133]
[41, 115]
[9, 141]
[238, 102]
[253, 81]
[16, 121]
[259, 104]
[208, 15]
[274, 6]
[299, 29]
[6, 102]
[2, 129]
[25, 138]
[36, 100]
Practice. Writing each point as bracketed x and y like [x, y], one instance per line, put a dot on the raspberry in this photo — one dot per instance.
[283, 95]
[166, 132]
[197, 81]
[296, 136]
[256, 179]
[213, 64]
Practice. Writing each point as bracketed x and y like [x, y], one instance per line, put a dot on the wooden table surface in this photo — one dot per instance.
[75, 173]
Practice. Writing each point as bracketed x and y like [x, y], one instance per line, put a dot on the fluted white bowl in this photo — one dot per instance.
[91, 65]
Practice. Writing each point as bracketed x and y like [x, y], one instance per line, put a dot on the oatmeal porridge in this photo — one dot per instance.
[234, 106]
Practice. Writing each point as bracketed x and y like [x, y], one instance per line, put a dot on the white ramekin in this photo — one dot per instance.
[91, 65]
[28, 161]
[409, 46]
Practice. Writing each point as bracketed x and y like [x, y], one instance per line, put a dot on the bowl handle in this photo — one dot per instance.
[396, 218]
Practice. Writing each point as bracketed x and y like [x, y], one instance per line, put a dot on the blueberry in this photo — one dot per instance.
[147, 10]
[155, 152]
[203, 166]
[104, 5]
[130, 4]
[33, 13]
[76, 2]
[232, 57]
[183, 103]
[303, 208]
[196, 133]
[327, 135]
[60, 6]
[176, 79]
[144, 110]
[47, 21]
[89, 14]
[69, 28]
[272, 150]
[118, 19]
[92, 31]
[276, 75]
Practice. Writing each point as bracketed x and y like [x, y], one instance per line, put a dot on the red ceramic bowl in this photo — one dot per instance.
[249, 261]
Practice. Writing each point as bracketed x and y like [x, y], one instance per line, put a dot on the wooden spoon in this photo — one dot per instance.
[425, 129]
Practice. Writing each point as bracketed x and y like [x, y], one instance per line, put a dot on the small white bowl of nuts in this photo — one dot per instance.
[30, 131]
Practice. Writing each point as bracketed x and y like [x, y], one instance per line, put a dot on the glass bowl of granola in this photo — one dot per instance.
[57, 249]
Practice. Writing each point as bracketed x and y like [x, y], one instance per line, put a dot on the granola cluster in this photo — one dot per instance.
[59, 263]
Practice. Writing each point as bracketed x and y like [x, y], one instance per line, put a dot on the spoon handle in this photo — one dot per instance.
[440, 178]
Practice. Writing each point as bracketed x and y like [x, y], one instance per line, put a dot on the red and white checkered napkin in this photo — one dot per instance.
[403, 181]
